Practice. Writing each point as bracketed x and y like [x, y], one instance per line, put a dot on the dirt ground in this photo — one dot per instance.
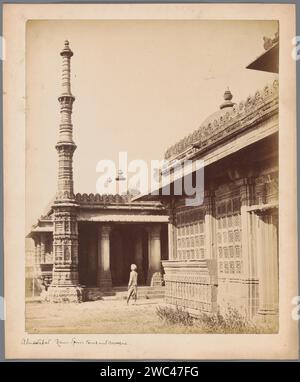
[98, 317]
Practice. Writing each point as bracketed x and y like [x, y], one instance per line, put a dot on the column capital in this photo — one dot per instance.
[154, 230]
[104, 230]
[170, 206]
[209, 197]
[244, 181]
[246, 186]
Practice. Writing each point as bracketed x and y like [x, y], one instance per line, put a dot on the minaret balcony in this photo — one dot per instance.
[67, 99]
[63, 145]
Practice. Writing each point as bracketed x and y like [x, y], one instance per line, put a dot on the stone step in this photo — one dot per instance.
[144, 289]
[120, 293]
[141, 294]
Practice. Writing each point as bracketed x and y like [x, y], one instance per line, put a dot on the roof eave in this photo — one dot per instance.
[268, 61]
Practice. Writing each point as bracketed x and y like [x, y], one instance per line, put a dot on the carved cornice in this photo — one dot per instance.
[103, 199]
[46, 217]
[262, 105]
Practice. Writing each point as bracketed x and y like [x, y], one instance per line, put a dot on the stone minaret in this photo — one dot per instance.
[65, 285]
[65, 145]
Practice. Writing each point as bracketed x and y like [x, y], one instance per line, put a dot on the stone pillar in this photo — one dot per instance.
[268, 264]
[38, 255]
[104, 274]
[171, 235]
[37, 267]
[138, 255]
[249, 255]
[38, 250]
[43, 248]
[154, 277]
[172, 239]
[210, 226]
[92, 255]
[246, 197]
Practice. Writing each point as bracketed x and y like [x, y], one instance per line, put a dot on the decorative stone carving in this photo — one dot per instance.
[192, 285]
[103, 199]
[190, 233]
[65, 285]
[260, 104]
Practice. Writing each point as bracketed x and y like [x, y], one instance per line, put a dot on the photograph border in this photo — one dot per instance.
[13, 302]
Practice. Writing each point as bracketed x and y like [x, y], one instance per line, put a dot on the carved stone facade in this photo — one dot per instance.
[192, 285]
[224, 252]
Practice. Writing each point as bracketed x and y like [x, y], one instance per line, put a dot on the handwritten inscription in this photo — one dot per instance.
[73, 342]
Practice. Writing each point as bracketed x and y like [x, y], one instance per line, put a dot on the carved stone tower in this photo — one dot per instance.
[65, 286]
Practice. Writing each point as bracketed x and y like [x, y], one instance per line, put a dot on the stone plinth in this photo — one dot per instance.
[65, 293]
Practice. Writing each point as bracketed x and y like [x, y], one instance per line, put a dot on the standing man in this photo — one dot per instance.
[132, 285]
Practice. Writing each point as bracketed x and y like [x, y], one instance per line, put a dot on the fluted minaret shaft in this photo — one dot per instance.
[65, 145]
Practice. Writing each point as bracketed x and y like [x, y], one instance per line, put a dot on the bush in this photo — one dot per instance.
[174, 316]
[231, 322]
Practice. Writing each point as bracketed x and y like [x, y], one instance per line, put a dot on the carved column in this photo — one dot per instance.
[249, 256]
[154, 277]
[138, 255]
[92, 257]
[104, 274]
[268, 264]
[43, 248]
[35, 250]
[172, 240]
[246, 197]
[65, 249]
[37, 266]
[38, 250]
[210, 226]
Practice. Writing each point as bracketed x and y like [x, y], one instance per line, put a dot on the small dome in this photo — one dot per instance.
[224, 108]
[214, 116]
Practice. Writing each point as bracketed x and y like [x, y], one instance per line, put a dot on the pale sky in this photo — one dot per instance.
[140, 86]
